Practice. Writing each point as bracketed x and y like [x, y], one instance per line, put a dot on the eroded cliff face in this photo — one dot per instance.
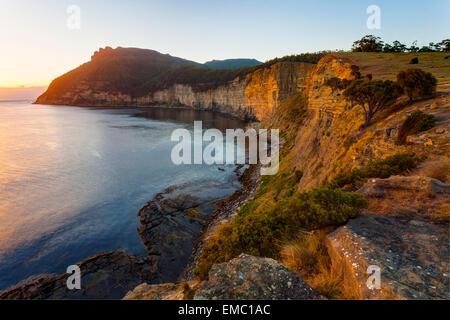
[331, 138]
[256, 95]
[404, 211]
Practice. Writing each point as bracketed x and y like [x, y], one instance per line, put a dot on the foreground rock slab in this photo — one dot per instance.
[248, 277]
[411, 196]
[108, 275]
[413, 256]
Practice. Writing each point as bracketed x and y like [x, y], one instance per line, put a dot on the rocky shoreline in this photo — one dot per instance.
[108, 275]
[250, 180]
[174, 226]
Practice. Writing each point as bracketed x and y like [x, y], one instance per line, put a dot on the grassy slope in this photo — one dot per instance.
[387, 65]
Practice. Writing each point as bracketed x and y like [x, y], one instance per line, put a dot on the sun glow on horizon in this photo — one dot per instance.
[37, 45]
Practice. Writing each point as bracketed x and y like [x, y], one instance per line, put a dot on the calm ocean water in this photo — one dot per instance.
[72, 180]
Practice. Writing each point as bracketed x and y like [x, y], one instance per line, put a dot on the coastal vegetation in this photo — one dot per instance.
[399, 163]
[264, 223]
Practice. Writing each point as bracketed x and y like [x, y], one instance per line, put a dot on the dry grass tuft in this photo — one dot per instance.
[439, 171]
[309, 258]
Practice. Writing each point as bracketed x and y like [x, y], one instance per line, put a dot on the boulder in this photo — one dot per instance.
[413, 256]
[248, 277]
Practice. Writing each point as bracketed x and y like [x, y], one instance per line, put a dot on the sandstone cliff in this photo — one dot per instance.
[255, 94]
[331, 139]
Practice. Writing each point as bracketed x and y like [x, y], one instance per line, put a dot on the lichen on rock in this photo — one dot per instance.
[249, 277]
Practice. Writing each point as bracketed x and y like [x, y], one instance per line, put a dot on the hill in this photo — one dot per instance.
[126, 70]
[231, 63]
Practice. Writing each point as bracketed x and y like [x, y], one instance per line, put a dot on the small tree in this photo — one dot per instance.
[417, 83]
[414, 47]
[368, 43]
[388, 48]
[397, 46]
[426, 49]
[372, 96]
[445, 45]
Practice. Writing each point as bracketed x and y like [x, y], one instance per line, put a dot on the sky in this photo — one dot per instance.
[40, 40]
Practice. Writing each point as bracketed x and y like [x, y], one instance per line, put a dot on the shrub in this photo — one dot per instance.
[372, 96]
[417, 83]
[321, 207]
[298, 175]
[398, 163]
[349, 141]
[258, 232]
[188, 292]
[355, 72]
[337, 84]
[414, 61]
[418, 121]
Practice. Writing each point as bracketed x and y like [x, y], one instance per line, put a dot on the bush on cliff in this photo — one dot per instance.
[417, 83]
[259, 230]
[379, 168]
[337, 83]
[416, 122]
